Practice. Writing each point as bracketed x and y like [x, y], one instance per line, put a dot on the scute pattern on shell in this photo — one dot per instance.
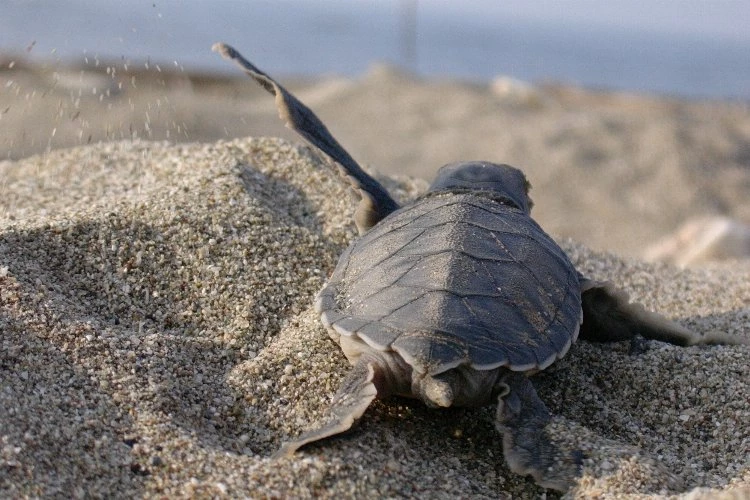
[456, 279]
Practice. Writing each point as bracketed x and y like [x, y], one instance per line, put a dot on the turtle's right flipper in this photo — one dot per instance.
[522, 418]
[349, 403]
[609, 316]
[376, 203]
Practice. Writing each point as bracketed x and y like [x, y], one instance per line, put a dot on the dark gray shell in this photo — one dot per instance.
[456, 279]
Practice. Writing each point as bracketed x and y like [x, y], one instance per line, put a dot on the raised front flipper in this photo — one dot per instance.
[376, 203]
[608, 316]
[349, 403]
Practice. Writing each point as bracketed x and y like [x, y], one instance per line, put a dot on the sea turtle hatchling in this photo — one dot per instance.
[456, 297]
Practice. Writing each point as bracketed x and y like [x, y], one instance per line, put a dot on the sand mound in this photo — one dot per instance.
[615, 171]
[158, 339]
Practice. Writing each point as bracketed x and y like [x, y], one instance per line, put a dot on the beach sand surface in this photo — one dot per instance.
[158, 336]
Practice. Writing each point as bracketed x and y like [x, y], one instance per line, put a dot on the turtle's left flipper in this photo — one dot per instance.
[350, 402]
[609, 316]
[376, 203]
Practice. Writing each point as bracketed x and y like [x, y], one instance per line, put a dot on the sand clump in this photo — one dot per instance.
[158, 338]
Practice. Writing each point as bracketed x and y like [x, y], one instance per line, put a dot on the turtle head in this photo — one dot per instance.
[502, 181]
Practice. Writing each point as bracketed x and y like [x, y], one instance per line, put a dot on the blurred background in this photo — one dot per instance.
[630, 117]
[677, 47]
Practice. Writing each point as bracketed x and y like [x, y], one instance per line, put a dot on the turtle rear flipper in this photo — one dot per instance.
[350, 402]
[609, 316]
[376, 203]
[522, 419]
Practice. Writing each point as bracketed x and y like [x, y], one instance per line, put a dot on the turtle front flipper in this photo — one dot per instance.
[609, 316]
[350, 402]
[376, 203]
[522, 418]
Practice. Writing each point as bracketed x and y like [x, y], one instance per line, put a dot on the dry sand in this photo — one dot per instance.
[158, 340]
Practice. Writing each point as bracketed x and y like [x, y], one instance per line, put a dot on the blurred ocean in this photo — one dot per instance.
[693, 48]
